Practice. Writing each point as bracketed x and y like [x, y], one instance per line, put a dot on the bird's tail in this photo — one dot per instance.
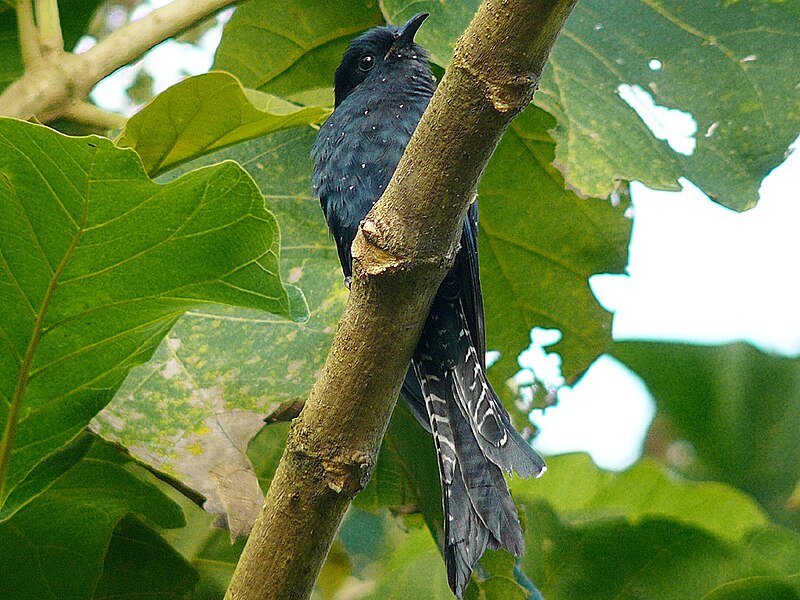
[474, 440]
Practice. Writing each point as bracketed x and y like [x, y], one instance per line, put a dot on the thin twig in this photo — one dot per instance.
[86, 113]
[46, 93]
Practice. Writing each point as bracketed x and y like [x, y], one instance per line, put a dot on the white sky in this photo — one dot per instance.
[697, 272]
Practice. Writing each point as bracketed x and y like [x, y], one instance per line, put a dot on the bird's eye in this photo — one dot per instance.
[366, 62]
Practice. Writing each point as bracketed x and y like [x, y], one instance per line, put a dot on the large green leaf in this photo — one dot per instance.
[205, 113]
[207, 549]
[194, 407]
[732, 65]
[740, 409]
[55, 547]
[576, 488]
[286, 48]
[539, 245]
[615, 559]
[639, 534]
[96, 263]
[140, 564]
[754, 588]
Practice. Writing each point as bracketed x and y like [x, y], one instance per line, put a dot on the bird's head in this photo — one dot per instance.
[372, 53]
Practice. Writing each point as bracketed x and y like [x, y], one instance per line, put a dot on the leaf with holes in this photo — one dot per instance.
[97, 262]
[732, 65]
[539, 245]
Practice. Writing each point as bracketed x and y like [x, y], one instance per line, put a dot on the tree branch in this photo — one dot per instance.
[49, 91]
[94, 116]
[402, 252]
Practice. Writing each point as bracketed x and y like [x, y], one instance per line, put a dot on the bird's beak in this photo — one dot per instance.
[407, 32]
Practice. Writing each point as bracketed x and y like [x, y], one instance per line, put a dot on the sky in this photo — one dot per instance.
[697, 272]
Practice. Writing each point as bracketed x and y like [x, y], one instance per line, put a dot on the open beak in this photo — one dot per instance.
[407, 32]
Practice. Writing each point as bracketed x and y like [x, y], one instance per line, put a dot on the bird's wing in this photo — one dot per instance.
[468, 273]
[466, 270]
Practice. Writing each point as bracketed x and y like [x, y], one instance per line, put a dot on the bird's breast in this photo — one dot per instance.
[359, 147]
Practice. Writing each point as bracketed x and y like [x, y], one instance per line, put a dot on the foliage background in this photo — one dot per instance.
[720, 522]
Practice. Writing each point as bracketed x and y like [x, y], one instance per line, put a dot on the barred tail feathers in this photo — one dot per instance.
[466, 537]
[474, 439]
[486, 414]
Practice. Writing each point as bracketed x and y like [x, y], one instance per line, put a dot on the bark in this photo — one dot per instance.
[402, 252]
[55, 80]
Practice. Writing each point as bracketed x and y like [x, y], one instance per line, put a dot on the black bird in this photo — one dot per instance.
[382, 87]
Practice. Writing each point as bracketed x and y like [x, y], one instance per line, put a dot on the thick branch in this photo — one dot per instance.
[403, 250]
[48, 91]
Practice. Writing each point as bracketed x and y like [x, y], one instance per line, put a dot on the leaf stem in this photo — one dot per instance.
[51, 41]
[28, 35]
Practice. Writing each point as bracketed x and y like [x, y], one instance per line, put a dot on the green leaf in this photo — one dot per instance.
[499, 579]
[140, 564]
[747, 113]
[413, 554]
[539, 244]
[45, 474]
[265, 452]
[639, 534]
[205, 113]
[614, 559]
[779, 547]
[739, 408]
[754, 588]
[207, 549]
[405, 478]
[221, 367]
[288, 48]
[55, 547]
[96, 264]
[576, 488]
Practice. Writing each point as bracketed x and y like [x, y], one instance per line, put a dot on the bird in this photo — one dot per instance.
[381, 89]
